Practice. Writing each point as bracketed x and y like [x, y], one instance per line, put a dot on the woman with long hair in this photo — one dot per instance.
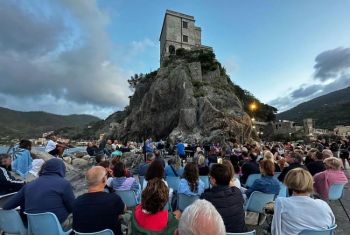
[190, 184]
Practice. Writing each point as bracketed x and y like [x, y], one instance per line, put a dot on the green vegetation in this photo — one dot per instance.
[328, 110]
[15, 124]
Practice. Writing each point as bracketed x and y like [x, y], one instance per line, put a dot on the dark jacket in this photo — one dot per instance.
[248, 168]
[229, 203]
[287, 169]
[316, 167]
[8, 183]
[49, 193]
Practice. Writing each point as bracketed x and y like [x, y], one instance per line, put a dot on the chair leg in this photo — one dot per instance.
[344, 210]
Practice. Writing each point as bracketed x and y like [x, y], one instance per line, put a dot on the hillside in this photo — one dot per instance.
[16, 124]
[328, 110]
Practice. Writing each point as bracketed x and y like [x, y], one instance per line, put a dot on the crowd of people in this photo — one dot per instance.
[307, 171]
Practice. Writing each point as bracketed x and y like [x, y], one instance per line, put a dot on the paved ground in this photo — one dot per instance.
[340, 216]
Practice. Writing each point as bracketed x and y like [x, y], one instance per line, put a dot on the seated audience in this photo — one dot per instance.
[97, 210]
[310, 156]
[316, 165]
[22, 161]
[174, 167]
[203, 169]
[159, 158]
[190, 184]
[51, 192]
[267, 183]
[249, 167]
[300, 212]
[269, 156]
[92, 149]
[121, 182]
[53, 147]
[294, 159]
[227, 200]
[144, 166]
[234, 180]
[201, 218]
[8, 183]
[333, 174]
[150, 217]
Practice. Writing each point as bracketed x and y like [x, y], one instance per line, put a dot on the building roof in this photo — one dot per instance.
[177, 14]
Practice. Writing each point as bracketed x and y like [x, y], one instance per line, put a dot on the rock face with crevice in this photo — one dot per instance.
[182, 100]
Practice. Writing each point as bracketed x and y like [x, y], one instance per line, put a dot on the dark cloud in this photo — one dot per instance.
[332, 73]
[42, 54]
[305, 91]
[331, 63]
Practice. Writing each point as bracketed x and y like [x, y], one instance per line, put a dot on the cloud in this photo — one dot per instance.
[61, 50]
[332, 63]
[332, 72]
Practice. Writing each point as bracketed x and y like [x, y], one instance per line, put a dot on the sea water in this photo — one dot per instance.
[3, 149]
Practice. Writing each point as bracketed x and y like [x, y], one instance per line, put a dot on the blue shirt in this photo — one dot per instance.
[266, 184]
[170, 172]
[22, 163]
[180, 147]
[185, 188]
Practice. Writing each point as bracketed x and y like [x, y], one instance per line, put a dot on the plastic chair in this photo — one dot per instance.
[185, 200]
[5, 197]
[103, 232]
[205, 180]
[276, 174]
[128, 197]
[283, 190]
[44, 224]
[328, 231]
[251, 179]
[173, 182]
[336, 193]
[257, 202]
[247, 233]
[11, 223]
[141, 179]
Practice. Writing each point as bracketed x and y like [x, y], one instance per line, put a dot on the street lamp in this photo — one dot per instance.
[253, 106]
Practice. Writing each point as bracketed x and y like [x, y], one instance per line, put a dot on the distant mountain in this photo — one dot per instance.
[16, 124]
[328, 110]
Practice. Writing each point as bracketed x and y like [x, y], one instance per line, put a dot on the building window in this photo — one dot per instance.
[184, 38]
[184, 24]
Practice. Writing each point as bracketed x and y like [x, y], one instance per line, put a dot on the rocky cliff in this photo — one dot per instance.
[191, 98]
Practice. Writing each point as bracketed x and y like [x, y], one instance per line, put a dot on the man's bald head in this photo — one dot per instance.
[95, 175]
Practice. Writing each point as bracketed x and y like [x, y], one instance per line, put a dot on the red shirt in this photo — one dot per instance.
[154, 222]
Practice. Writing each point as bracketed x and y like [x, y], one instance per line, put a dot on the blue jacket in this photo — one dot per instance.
[49, 193]
[266, 184]
[22, 162]
[180, 147]
[185, 188]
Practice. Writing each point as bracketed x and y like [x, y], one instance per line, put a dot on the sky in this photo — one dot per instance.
[75, 56]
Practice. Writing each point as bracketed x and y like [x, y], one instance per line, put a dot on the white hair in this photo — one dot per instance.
[327, 153]
[201, 218]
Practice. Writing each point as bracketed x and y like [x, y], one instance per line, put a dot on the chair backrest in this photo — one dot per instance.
[335, 192]
[251, 179]
[128, 197]
[11, 222]
[173, 182]
[43, 224]
[328, 231]
[283, 190]
[205, 180]
[276, 174]
[257, 201]
[5, 197]
[141, 179]
[247, 233]
[103, 232]
[185, 200]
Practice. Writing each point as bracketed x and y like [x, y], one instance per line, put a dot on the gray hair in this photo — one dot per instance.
[327, 153]
[95, 175]
[201, 218]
